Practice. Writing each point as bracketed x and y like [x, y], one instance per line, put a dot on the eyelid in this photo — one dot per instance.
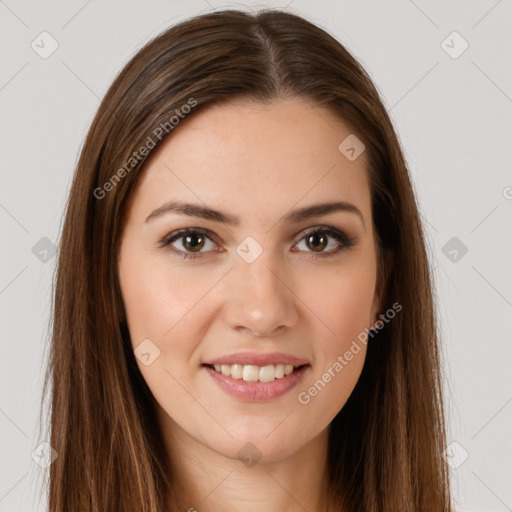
[340, 236]
[320, 228]
[345, 240]
[185, 231]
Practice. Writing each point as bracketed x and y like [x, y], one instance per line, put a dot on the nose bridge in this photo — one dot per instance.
[259, 300]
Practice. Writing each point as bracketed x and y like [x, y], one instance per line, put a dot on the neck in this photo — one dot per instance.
[208, 481]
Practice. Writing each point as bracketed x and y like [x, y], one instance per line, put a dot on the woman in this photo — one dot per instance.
[243, 313]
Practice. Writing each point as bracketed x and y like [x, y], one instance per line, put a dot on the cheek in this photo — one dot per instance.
[327, 391]
[342, 300]
[160, 307]
[158, 300]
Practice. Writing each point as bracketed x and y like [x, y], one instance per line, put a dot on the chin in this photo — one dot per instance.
[250, 449]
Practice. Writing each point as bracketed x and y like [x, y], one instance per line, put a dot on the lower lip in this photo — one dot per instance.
[257, 391]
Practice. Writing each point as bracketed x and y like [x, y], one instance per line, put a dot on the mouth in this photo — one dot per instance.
[252, 383]
[255, 373]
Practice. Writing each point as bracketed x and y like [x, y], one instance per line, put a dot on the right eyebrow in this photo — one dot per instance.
[293, 217]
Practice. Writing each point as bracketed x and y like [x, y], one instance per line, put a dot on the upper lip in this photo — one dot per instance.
[258, 359]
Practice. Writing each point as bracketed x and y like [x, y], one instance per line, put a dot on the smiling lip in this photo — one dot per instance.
[257, 359]
[257, 391]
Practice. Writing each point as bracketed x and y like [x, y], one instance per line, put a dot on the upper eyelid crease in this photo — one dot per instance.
[176, 234]
[293, 217]
[345, 240]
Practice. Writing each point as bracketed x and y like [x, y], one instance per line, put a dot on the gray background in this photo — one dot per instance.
[452, 116]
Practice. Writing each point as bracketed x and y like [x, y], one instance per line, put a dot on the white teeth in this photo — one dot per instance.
[237, 371]
[253, 373]
[250, 373]
[267, 373]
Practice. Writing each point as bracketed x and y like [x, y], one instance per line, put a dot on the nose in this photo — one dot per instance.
[259, 298]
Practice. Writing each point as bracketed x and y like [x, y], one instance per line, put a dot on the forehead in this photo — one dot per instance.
[264, 156]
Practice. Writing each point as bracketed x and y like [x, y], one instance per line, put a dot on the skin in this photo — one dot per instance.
[257, 162]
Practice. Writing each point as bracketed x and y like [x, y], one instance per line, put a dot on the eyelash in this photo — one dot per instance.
[319, 230]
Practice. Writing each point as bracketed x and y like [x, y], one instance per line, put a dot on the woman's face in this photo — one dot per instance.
[223, 260]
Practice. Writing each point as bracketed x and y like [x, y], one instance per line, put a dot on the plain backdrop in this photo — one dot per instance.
[444, 71]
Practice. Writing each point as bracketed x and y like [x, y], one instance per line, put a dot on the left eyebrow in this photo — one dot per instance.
[316, 210]
[293, 217]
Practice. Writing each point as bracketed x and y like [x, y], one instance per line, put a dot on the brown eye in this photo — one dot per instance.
[193, 242]
[317, 241]
[190, 243]
[323, 242]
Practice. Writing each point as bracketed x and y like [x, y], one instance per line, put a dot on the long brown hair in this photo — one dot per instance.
[386, 444]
